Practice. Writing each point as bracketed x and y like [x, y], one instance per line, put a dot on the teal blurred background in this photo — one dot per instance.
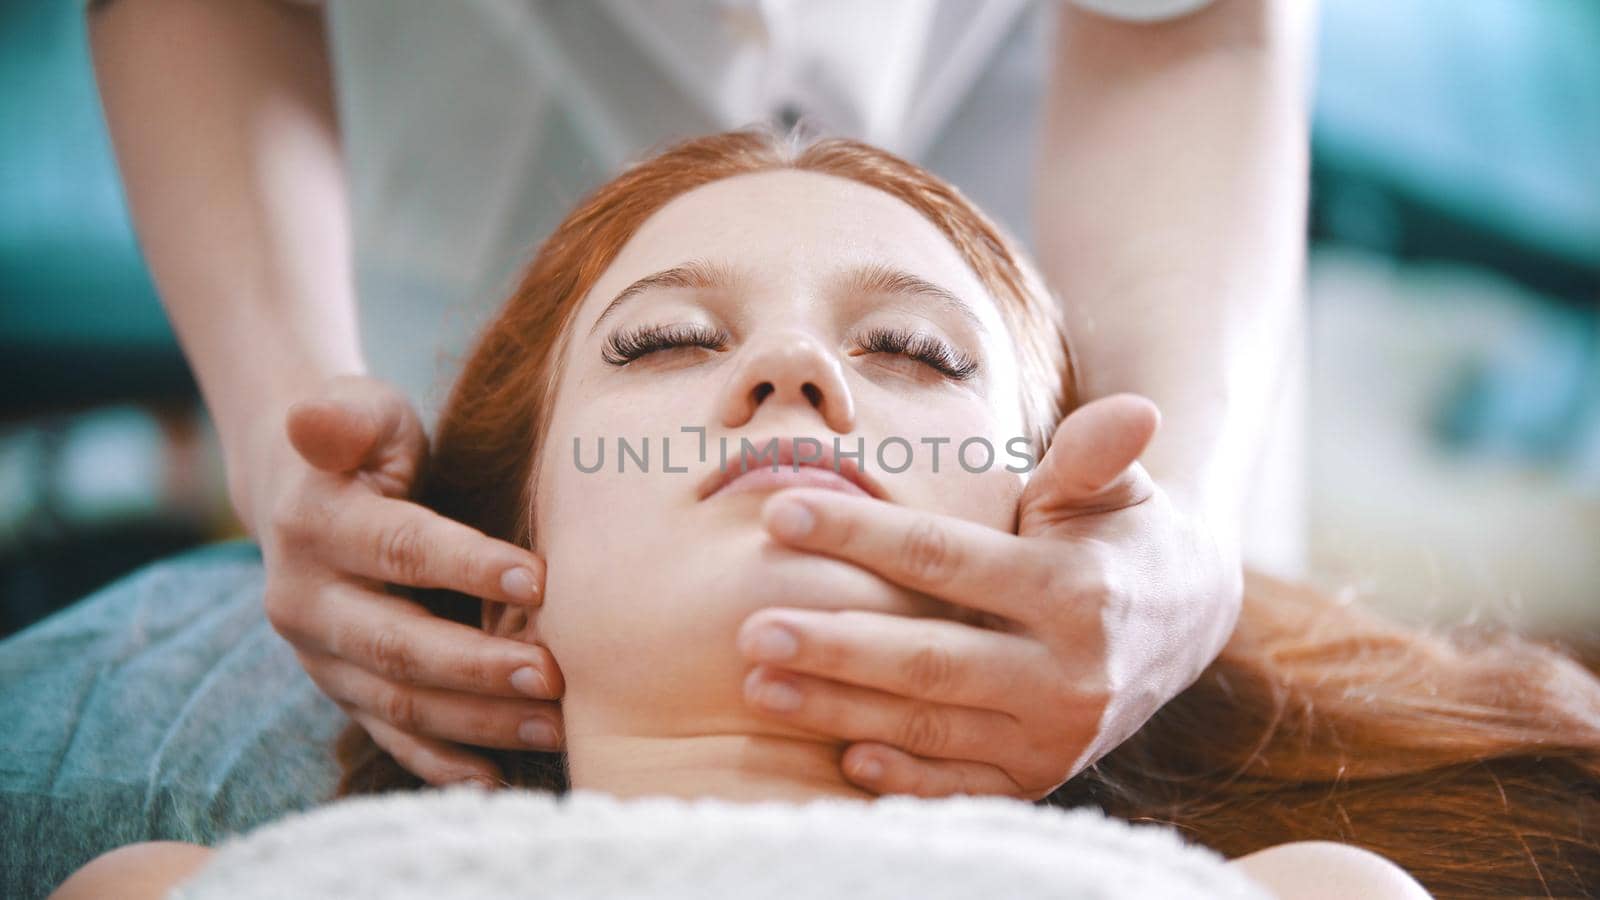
[1453, 444]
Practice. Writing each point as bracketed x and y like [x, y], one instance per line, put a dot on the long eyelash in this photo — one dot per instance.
[623, 347]
[922, 347]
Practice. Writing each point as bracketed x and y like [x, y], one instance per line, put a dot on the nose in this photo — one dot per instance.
[788, 368]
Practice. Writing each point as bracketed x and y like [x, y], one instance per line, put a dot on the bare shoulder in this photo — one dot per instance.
[1312, 870]
[136, 871]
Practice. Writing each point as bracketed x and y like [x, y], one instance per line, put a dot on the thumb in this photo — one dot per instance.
[358, 423]
[1092, 464]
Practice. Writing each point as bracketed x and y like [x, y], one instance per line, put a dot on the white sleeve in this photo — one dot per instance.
[1142, 10]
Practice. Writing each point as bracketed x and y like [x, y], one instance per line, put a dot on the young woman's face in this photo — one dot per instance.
[788, 305]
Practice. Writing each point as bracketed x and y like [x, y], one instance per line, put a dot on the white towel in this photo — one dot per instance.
[467, 843]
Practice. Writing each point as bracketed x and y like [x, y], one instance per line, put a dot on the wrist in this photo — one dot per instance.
[257, 453]
[254, 460]
[1214, 511]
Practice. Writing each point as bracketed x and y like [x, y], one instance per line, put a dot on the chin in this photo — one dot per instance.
[650, 648]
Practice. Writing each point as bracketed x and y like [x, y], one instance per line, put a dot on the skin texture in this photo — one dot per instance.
[629, 589]
[649, 578]
[222, 117]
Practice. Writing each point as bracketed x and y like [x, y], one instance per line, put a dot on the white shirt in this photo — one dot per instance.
[472, 126]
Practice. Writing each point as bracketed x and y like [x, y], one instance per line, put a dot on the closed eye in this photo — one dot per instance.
[626, 345]
[922, 347]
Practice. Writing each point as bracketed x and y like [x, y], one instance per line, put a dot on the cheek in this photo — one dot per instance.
[965, 475]
[608, 537]
[578, 474]
[605, 558]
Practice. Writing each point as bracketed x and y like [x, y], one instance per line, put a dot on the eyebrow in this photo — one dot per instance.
[873, 278]
[696, 273]
[877, 278]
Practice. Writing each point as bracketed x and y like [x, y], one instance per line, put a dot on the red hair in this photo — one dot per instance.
[1470, 760]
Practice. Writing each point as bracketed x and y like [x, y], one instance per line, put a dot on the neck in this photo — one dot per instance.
[733, 766]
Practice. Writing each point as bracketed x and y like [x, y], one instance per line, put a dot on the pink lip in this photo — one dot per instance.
[763, 474]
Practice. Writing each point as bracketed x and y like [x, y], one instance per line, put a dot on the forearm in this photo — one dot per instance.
[1172, 195]
[223, 121]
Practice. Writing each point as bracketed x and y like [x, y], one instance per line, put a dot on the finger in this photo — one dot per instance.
[882, 769]
[357, 422]
[924, 659]
[1092, 464]
[402, 642]
[436, 762]
[956, 560]
[448, 715]
[859, 714]
[400, 542]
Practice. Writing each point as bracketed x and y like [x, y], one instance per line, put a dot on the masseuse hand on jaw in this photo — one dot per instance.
[1084, 635]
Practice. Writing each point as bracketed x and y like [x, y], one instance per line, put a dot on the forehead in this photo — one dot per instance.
[794, 229]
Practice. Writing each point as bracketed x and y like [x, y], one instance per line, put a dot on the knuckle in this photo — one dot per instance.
[286, 517]
[930, 670]
[1082, 724]
[1054, 601]
[392, 656]
[317, 672]
[1109, 588]
[1042, 576]
[1081, 598]
[400, 550]
[278, 601]
[289, 612]
[1037, 757]
[296, 519]
[1035, 785]
[399, 708]
[480, 674]
[1090, 693]
[924, 730]
[927, 553]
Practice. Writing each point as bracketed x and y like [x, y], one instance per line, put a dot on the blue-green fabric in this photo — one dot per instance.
[163, 707]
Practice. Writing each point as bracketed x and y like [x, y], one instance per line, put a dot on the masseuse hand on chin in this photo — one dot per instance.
[1107, 603]
[335, 527]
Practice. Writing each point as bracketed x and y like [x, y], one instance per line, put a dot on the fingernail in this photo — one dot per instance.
[790, 519]
[773, 643]
[530, 681]
[869, 769]
[520, 583]
[480, 782]
[538, 733]
[778, 696]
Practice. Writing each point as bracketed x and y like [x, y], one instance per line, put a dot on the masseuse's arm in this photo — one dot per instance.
[1172, 191]
[222, 116]
[1171, 219]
